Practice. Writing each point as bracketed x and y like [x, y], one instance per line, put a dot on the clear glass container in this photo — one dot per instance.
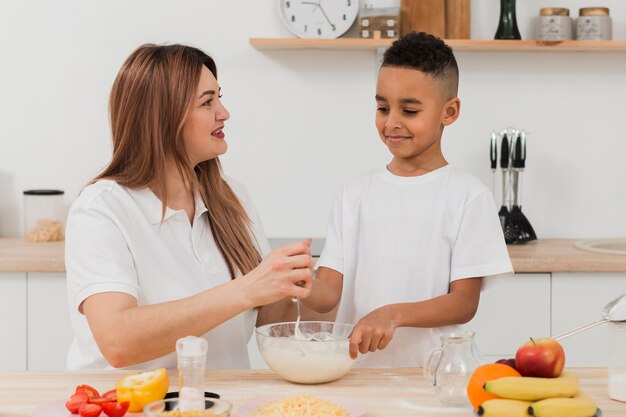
[44, 215]
[450, 367]
[617, 361]
[191, 353]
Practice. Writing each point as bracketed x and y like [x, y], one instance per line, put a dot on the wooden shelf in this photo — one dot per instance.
[457, 44]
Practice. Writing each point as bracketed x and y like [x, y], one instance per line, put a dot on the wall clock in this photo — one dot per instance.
[318, 18]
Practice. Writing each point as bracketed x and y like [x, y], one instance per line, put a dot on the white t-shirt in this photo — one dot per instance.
[404, 239]
[115, 242]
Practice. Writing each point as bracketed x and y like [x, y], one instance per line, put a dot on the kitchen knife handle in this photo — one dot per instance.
[504, 152]
[493, 151]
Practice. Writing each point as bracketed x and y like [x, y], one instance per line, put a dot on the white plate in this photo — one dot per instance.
[57, 409]
[354, 408]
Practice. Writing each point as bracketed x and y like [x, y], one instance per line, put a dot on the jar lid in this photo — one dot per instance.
[554, 11]
[44, 192]
[594, 11]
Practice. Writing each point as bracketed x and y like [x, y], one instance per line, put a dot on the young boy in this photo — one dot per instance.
[408, 246]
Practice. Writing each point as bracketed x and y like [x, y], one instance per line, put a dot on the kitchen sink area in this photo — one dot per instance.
[615, 246]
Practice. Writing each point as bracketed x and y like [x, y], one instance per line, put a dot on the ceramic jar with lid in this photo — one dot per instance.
[554, 24]
[594, 23]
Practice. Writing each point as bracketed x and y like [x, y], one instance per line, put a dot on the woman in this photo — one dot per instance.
[161, 246]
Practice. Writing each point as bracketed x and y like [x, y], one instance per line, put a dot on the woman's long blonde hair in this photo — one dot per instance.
[151, 97]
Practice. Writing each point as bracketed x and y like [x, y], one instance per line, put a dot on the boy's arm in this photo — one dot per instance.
[325, 290]
[375, 330]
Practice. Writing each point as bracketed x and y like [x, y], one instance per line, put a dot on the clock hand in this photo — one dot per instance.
[327, 19]
[310, 2]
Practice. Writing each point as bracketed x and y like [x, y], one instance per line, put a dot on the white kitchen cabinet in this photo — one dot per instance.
[578, 298]
[13, 321]
[49, 327]
[509, 313]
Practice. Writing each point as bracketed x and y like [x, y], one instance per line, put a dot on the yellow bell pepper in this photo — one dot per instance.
[142, 388]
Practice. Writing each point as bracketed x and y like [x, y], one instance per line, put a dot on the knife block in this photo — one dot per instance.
[446, 19]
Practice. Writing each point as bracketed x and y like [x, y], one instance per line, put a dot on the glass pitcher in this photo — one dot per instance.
[450, 367]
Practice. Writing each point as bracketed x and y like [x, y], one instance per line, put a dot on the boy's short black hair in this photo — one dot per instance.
[427, 53]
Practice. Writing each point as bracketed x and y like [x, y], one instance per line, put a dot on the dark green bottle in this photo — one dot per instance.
[507, 28]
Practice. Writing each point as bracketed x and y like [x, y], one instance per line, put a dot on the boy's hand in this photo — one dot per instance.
[372, 332]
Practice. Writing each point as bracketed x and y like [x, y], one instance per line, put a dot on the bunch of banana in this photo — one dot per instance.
[539, 397]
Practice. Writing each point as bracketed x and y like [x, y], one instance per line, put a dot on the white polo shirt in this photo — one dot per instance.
[115, 242]
[405, 239]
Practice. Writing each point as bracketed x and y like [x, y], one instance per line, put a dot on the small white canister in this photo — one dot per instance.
[594, 23]
[554, 24]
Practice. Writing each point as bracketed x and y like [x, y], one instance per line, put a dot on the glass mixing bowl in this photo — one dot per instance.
[321, 355]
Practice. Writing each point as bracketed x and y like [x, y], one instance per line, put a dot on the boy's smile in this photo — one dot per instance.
[411, 114]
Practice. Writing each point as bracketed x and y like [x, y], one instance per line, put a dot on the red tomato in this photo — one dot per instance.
[110, 394]
[115, 409]
[75, 401]
[100, 400]
[90, 391]
[89, 410]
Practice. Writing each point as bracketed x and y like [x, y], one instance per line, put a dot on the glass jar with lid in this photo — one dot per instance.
[44, 215]
[554, 24]
[594, 23]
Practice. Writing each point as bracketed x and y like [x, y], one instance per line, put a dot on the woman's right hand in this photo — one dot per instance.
[286, 271]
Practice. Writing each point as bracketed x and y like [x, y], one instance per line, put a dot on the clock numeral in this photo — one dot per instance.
[319, 31]
[333, 27]
[349, 3]
[293, 18]
[287, 4]
[306, 27]
[345, 17]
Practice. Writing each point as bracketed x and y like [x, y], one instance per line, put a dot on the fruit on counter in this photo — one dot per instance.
[88, 390]
[504, 408]
[115, 409]
[543, 358]
[87, 402]
[89, 410]
[475, 387]
[509, 362]
[75, 401]
[533, 388]
[581, 405]
[142, 388]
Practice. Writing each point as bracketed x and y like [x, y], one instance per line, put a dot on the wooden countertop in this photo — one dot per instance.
[383, 392]
[544, 255]
[20, 255]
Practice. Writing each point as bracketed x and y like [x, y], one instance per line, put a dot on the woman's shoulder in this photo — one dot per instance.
[98, 192]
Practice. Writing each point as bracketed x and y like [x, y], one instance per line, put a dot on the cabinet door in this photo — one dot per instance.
[578, 298]
[49, 327]
[509, 313]
[13, 321]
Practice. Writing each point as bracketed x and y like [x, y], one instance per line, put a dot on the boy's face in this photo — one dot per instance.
[411, 113]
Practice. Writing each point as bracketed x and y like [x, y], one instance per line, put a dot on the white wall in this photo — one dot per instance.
[302, 121]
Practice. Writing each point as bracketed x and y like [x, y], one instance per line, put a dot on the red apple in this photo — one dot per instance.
[543, 358]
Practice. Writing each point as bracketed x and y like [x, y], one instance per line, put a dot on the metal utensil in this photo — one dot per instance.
[493, 155]
[518, 222]
[504, 165]
[613, 311]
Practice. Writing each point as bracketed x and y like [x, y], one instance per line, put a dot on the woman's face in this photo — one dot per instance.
[203, 132]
